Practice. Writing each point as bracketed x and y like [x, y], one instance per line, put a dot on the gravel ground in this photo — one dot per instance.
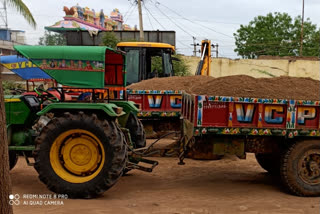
[228, 186]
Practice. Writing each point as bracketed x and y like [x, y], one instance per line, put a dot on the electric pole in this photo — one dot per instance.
[217, 50]
[194, 46]
[140, 21]
[302, 22]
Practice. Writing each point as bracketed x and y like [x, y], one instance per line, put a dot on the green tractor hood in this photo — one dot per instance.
[76, 66]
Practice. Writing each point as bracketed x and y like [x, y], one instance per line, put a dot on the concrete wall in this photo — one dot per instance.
[9, 75]
[260, 67]
[84, 38]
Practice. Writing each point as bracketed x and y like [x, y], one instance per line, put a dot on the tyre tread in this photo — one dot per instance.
[116, 143]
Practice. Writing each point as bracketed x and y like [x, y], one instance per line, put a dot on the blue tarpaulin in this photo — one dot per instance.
[23, 67]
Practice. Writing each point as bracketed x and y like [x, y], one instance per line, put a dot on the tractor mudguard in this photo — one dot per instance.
[108, 108]
[128, 107]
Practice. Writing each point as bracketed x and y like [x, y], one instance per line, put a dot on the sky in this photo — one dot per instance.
[216, 20]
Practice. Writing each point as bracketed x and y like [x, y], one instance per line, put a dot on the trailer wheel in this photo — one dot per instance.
[269, 162]
[80, 155]
[137, 133]
[13, 159]
[300, 168]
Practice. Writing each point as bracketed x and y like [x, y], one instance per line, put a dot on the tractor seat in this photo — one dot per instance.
[32, 102]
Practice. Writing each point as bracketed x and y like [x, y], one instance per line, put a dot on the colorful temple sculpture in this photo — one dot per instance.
[117, 17]
[86, 19]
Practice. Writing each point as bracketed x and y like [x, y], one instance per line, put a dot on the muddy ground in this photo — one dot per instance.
[228, 186]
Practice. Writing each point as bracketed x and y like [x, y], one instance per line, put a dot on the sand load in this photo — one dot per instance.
[238, 86]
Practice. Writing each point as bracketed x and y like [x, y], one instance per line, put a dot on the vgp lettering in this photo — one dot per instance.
[156, 101]
[274, 114]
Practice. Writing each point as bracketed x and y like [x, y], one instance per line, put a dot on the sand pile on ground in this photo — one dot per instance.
[238, 86]
[170, 83]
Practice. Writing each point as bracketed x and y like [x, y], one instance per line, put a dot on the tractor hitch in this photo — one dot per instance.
[132, 165]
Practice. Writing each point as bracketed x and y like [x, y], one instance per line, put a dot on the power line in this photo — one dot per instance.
[155, 18]
[130, 13]
[173, 22]
[192, 21]
[148, 15]
[124, 16]
[187, 28]
[183, 44]
[179, 23]
[210, 21]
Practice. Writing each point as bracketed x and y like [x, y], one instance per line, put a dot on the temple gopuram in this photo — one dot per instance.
[85, 19]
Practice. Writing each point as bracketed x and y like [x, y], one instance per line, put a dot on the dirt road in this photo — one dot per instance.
[228, 186]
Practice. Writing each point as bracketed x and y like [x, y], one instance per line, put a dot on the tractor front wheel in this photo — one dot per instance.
[137, 133]
[80, 155]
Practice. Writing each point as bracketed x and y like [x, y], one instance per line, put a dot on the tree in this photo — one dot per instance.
[180, 67]
[52, 39]
[5, 182]
[9, 86]
[276, 35]
[23, 10]
[109, 39]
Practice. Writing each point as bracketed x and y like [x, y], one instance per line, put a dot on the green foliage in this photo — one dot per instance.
[276, 35]
[9, 86]
[156, 64]
[109, 39]
[23, 10]
[52, 39]
[180, 67]
[129, 40]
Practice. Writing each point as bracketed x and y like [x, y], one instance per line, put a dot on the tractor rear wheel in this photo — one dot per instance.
[13, 159]
[269, 162]
[80, 155]
[300, 168]
[137, 133]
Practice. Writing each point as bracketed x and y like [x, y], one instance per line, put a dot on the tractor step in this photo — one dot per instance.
[153, 164]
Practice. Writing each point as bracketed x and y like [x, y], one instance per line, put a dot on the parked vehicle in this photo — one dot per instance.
[80, 147]
[159, 110]
[283, 134]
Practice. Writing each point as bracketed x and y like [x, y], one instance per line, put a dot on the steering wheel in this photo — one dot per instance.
[46, 95]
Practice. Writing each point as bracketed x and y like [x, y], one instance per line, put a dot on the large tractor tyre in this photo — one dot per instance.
[300, 168]
[13, 159]
[269, 162]
[137, 133]
[80, 155]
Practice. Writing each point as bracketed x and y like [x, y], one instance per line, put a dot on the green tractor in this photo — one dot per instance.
[81, 147]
